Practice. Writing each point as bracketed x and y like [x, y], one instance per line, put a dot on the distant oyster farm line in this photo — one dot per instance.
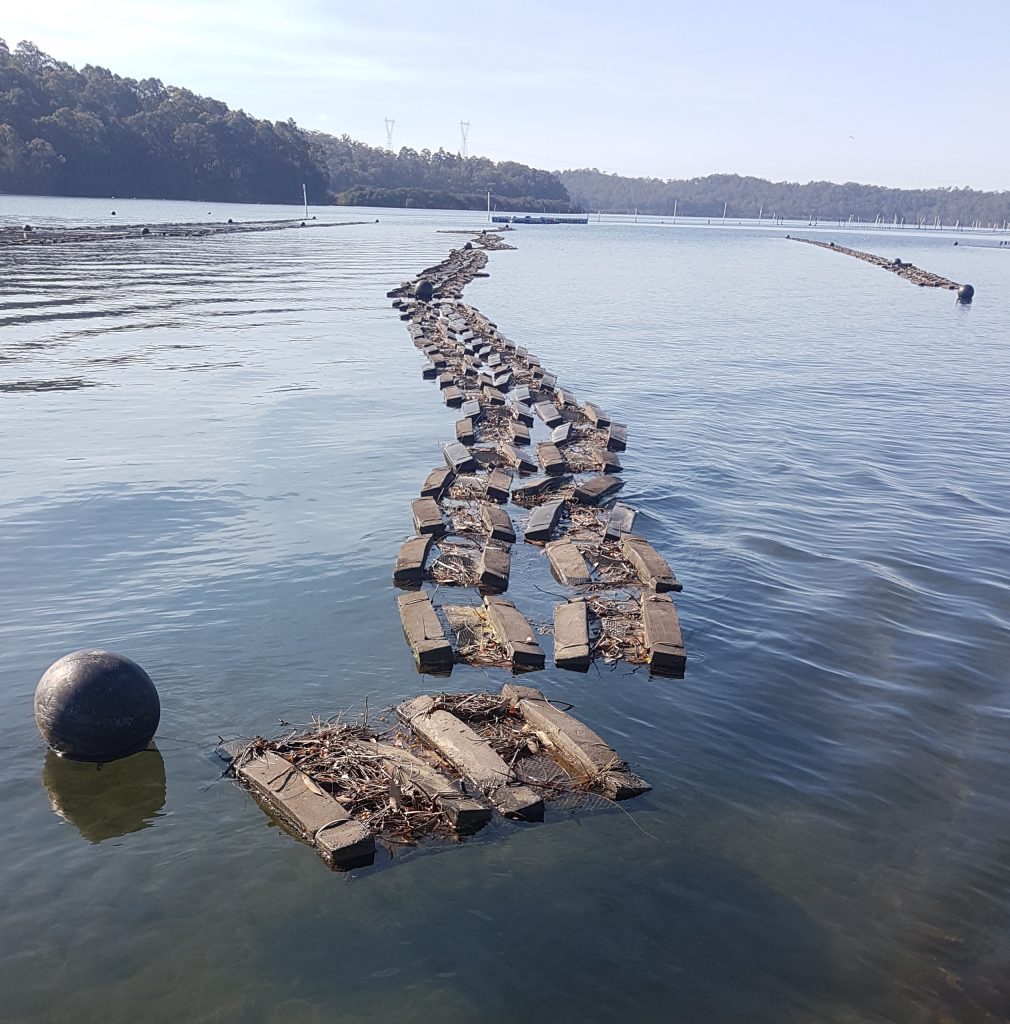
[349, 784]
[510, 403]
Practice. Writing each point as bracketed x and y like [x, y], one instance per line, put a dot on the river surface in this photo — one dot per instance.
[209, 451]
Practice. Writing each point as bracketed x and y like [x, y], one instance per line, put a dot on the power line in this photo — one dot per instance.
[464, 131]
[390, 125]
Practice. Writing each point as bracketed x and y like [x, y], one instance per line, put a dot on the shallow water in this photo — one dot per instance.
[209, 452]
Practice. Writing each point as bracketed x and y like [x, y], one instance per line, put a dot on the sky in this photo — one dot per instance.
[889, 92]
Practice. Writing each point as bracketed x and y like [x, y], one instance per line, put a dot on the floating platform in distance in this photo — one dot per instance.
[511, 218]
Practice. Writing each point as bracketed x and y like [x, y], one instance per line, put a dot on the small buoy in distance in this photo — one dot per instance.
[955, 243]
[28, 227]
[303, 223]
[146, 231]
[95, 705]
[230, 221]
[113, 213]
[965, 294]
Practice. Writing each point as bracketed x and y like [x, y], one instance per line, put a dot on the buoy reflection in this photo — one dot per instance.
[109, 800]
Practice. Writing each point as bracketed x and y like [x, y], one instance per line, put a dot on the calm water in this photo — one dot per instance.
[209, 449]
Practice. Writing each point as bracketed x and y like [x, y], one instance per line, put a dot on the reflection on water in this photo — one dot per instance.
[106, 801]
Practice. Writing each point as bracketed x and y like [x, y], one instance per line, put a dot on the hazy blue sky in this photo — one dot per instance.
[901, 93]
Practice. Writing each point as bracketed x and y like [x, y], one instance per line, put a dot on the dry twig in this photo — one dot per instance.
[617, 631]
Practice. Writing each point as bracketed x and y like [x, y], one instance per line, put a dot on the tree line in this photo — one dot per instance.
[747, 197]
[93, 133]
[356, 169]
[90, 132]
[438, 199]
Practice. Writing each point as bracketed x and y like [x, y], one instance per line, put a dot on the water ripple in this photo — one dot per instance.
[822, 456]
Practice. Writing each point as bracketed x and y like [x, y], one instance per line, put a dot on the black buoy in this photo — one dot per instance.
[230, 221]
[113, 213]
[96, 706]
[424, 290]
[28, 227]
[146, 231]
[965, 294]
[303, 223]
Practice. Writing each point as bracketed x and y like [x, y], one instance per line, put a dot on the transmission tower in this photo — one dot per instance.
[464, 131]
[390, 125]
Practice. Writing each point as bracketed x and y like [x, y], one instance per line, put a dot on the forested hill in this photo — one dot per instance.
[705, 197]
[366, 175]
[89, 132]
[92, 133]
